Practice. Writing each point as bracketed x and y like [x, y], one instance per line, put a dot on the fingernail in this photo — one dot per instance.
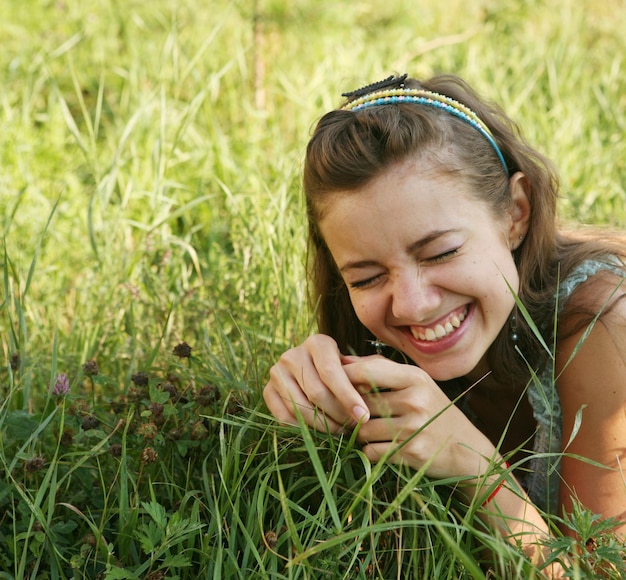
[359, 413]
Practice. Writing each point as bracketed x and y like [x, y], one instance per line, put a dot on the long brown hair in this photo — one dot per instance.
[348, 149]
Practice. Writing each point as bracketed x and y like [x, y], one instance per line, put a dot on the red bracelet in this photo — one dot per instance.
[497, 489]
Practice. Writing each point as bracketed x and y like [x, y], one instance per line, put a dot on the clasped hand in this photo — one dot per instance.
[395, 403]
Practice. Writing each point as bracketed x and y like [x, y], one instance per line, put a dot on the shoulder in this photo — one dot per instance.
[592, 325]
[591, 352]
[591, 380]
[602, 293]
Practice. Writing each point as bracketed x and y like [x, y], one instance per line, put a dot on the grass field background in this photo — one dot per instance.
[150, 158]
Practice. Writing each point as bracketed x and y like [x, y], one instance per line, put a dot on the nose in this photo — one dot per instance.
[414, 296]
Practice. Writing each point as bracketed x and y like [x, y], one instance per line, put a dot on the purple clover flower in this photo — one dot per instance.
[61, 385]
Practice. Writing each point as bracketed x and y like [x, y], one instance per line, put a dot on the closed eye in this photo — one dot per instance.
[439, 258]
[364, 283]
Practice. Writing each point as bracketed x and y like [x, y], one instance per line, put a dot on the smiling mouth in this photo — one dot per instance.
[440, 330]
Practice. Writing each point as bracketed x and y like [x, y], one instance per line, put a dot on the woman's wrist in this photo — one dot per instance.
[509, 511]
[496, 490]
[491, 471]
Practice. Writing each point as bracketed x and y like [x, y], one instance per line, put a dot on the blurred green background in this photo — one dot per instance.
[170, 136]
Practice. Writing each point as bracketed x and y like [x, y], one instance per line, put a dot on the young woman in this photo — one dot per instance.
[429, 216]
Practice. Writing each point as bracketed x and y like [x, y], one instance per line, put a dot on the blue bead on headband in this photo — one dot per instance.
[429, 99]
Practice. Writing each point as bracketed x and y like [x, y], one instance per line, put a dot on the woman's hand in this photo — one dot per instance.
[332, 391]
[408, 407]
[312, 378]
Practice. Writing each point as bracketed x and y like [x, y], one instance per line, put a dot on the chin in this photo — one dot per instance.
[443, 372]
[443, 377]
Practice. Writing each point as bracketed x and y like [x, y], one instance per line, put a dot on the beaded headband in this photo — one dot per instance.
[429, 99]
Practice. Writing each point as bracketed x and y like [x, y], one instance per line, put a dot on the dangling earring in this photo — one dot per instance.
[378, 345]
[513, 326]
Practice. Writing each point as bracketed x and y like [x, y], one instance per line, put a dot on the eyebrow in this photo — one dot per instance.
[431, 237]
[411, 249]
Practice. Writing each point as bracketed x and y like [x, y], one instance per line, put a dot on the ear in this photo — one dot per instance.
[520, 209]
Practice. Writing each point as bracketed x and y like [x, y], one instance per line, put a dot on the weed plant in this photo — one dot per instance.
[152, 241]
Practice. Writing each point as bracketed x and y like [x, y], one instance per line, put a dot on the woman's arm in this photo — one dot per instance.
[594, 381]
[512, 514]
[409, 409]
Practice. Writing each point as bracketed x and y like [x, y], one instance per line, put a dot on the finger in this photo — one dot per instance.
[325, 388]
[388, 403]
[381, 373]
[333, 391]
[287, 410]
[297, 382]
[376, 451]
[385, 429]
[277, 406]
[347, 359]
[286, 393]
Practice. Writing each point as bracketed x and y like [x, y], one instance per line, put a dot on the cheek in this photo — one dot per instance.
[366, 310]
[362, 310]
[504, 273]
[502, 300]
[509, 274]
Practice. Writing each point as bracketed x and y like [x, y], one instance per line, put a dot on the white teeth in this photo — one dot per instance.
[440, 331]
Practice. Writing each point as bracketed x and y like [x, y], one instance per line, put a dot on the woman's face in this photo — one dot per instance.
[426, 264]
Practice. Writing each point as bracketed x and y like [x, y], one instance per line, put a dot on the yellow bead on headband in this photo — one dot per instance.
[421, 97]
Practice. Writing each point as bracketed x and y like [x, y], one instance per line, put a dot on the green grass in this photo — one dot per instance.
[150, 195]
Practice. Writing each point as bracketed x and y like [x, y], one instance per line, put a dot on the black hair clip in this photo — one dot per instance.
[388, 82]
